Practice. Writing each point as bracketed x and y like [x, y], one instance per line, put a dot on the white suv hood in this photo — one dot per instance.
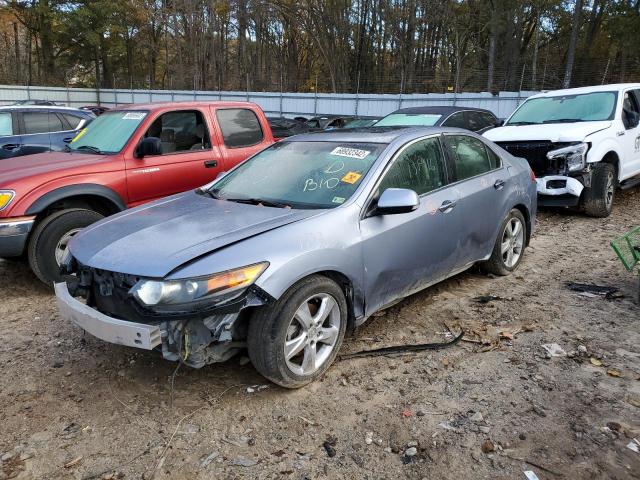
[554, 132]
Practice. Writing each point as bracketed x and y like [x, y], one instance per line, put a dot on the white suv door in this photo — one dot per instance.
[629, 138]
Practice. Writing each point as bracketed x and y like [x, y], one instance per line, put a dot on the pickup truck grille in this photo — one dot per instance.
[535, 152]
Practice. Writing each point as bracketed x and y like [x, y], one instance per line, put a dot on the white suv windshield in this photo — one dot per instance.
[586, 107]
[300, 174]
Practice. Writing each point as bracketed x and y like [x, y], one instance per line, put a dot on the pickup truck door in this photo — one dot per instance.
[240, 134]
[629, 136]
[189, 158]
[10, 140]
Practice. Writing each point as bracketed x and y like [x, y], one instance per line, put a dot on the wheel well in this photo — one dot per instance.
[612, 158]
[99, 204]
[347, 287]
[527, 219]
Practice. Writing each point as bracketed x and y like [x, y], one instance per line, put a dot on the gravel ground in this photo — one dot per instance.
[490, 407]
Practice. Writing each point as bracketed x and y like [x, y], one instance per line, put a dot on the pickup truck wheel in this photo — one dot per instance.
[598, 200]
[49, 241]
[295, 340]
[509, 247]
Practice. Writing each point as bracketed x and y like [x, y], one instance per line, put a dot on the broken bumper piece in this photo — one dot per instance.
[106, 328]
[559, 191]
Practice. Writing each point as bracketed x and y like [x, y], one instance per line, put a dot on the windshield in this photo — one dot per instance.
[108, 133]
[587, 107]
[407, 119]
[300, 174]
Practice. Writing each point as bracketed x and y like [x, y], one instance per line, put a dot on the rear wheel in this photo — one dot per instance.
[598, 199]
[509, 247]
[294, 341]
[50, 238]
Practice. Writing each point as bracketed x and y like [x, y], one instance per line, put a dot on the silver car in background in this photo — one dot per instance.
[304, 240]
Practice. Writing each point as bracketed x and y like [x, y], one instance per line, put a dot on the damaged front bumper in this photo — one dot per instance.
[559, 190]
[196, 340]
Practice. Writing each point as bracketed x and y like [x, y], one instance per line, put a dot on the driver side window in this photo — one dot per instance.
[419, 167]
[180, 131]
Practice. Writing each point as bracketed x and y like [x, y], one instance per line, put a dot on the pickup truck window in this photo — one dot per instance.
[180, 131]
[6, 126]
[240, 127]
[41, 122]
[586, 107]
[630, 109]
[108, 133]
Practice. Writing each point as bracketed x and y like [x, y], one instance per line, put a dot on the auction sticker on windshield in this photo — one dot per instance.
[134, 116]
[351, 177]
[350, 152]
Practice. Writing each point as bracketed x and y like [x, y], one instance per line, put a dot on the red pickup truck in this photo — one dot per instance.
[124, 158]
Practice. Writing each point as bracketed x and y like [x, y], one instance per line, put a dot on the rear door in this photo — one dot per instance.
[189, 158]
[40, 129]
[239, 132]
[10, 139]
[630, 140]
[480, 187]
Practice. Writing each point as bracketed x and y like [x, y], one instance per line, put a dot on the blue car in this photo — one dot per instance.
[29, 129]
[304, 240]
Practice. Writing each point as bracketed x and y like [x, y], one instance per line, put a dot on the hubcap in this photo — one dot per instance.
[512, 242]
[312, 334]
[609, 192]
[61, 247]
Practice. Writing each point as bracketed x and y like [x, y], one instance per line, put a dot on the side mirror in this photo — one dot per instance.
[149, 146]
[499, 122]
[397, 200]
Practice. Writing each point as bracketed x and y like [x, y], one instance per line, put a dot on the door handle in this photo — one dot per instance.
[210, 163]
[499, 184]
[11, 146]
[447, 206]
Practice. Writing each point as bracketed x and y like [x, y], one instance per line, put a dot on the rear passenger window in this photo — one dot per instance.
[181, 131]
[455, 120]
[419, 167]
[72, 120]
[471, 156]
[240, 127]
[41, 122]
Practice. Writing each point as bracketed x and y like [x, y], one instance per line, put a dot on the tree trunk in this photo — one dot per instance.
[571, 53]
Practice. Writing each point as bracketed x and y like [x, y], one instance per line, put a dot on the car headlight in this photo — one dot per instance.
[5, 198]
[175, 292]
[575, 156]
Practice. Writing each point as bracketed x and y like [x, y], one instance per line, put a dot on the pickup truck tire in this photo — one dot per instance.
[51, 235]
[509, 247]
[296, 324]
[598, 200]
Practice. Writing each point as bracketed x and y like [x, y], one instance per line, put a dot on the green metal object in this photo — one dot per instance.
[627, 247]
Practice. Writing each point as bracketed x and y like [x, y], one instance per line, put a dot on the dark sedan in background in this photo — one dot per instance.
[27, 129]
[477, 120]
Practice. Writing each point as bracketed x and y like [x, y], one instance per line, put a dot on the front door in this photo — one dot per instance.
[404, 253]
[189, 159]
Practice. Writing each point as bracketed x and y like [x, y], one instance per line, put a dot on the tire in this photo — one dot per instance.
[500, 263]
[48, 234]
[598, 199]
[270, 327]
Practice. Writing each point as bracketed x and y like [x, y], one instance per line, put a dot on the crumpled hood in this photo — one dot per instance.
[155, 239]
[27, 166]
[554, 132]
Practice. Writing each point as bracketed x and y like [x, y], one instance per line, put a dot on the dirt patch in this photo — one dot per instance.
[75, 407]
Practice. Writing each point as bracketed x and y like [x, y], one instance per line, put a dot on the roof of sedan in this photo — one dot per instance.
[442, 110]
[366, 135]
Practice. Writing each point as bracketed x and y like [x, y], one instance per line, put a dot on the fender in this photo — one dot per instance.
[601, 147]
[74, 190]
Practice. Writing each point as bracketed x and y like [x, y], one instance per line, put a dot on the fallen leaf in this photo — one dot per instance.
[507, 335]
[635, 401]
[73, 462]
[596, 362]
[614, 373]
[406, 413]
[445, 361]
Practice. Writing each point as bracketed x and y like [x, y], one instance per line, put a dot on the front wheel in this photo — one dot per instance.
[510, 244]
[50, 238]
[294, 341]
[598, 199]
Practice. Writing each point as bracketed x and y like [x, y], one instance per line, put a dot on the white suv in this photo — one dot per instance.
[581, 143]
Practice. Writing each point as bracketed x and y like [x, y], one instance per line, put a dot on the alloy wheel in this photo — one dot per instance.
[512, 242]
[62, 244]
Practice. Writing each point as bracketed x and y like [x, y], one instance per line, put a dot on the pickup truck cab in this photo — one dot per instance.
[581, 143]
[124, 158]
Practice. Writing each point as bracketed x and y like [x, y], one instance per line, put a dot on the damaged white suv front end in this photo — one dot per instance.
[581, 144]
